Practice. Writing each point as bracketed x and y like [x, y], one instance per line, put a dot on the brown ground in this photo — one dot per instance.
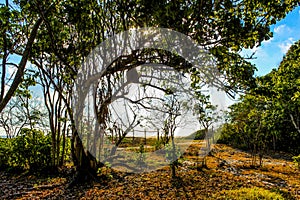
[228, 169]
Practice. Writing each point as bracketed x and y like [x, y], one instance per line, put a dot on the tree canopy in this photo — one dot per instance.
[56, 36]
[268, 116]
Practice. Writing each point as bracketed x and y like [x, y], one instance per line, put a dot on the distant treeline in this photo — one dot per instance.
[268, 116]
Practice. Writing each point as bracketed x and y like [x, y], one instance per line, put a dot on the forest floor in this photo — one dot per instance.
[228, 170]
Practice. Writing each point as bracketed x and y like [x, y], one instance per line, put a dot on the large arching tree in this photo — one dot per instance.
[71, 29]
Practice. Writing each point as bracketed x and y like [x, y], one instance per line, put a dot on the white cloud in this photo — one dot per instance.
[285, 45]
[268, 41]
[279, 29]
[282, 29]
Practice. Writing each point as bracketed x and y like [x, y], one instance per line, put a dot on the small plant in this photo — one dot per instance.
[172, 155]
[249, 193]
[140, 161]
[297, 161]
[158, 144]
[105, 171]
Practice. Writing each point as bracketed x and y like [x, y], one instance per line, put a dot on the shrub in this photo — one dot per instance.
[297, 161]
[140, 160]
[5, 152]
[158, 145]
[31, 149]
[250, 194]
[198, 135]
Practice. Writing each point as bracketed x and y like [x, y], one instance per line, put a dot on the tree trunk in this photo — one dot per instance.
[174, 159]
[173, 169]
[86, 164]
[21, 67]
[62, 158]
[274, 143]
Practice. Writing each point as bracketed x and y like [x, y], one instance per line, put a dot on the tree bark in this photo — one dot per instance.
[294, 123]
[86, 164]
[21, 68]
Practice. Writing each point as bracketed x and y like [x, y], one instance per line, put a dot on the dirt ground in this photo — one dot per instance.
[227, 169]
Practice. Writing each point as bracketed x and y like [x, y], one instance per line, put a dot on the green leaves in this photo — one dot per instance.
[271, 110]
[31, 149]
[297, 161]
[29, 80]
[71, 29]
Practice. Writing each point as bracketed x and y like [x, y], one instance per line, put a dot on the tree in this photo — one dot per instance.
[286, 82]
[207, 115]
[222, 27]
[286, 97]
[18, 114]
[15, 40]
[54, 80]
[174, 110]
[23, 110]
[267, 117]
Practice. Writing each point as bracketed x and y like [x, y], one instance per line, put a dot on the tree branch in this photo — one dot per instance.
[20, 72]
[294, 123]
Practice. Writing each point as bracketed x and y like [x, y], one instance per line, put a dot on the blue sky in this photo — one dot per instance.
[270, 53]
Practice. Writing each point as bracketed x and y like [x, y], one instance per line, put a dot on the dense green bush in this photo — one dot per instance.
[240, 137]
[198, 135]
[30, 150]
[5, 152]
[231, 136]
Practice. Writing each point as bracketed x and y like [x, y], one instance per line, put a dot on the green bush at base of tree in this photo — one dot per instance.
[30, 150]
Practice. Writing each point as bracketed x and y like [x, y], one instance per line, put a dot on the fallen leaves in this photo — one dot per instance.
[277, 175]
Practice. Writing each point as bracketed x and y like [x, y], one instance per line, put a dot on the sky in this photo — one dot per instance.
[270, 53]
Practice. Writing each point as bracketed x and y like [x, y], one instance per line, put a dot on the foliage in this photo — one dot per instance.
[5, 152]
[172, 152]
[54, 38]
[31, 149]
[297, 161]
[198, 135]
[268, 117]
[251, 194]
